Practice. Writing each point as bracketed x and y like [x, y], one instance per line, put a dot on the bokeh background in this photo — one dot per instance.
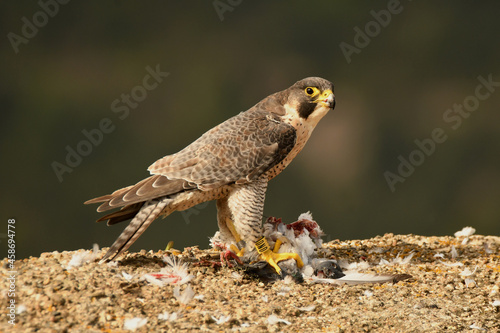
[223, 57]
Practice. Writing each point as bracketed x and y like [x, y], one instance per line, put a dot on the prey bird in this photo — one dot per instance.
[232, 164]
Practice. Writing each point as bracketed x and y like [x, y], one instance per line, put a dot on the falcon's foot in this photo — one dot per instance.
[231, 253]
[273, 257]
[226, 254]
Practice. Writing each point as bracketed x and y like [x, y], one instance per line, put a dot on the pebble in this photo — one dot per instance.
[94, 298]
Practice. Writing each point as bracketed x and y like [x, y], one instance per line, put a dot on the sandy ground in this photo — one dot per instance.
[455, 288]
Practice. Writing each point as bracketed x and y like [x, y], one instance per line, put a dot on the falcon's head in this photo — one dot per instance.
[311, 97]
[307, 101]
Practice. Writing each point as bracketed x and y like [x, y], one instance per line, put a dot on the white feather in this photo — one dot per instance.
[465, 232]
[134, 323]
[273, 319]
[306, 216]
[353, 278]
[186, 296]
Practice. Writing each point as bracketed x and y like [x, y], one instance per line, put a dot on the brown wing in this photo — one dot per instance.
[149, 188]
[237, 151]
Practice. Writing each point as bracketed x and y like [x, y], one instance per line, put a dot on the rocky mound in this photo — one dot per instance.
[454, 287]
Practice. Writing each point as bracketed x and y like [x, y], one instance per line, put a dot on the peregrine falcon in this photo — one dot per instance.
[232, 164]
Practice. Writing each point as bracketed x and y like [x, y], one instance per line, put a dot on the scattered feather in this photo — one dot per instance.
[305, 216]
[361, 278]
[496, 302]
[454, 252]
[355, 266]
[288, 280]
[111, 263]
[307, 271]
[273, 319]
[215, 242]
[154, 280]
[465, 232]
[368, 293]
[80, 258]
[186, 296]
[175, 272]
[303, 237]
[21, 309]
[223, 319]
[127, 276]
[303, 244]
[283, 291]
[307, 308]
[470, 283]
[199, 297]
[477, 327]
[398, 260]
[169, 316]
[383, 262]
[265, 299]
[134, 323]
[487, 248]
[467, 272]
[439, 255]
[377, 250]
[353, 278]
[406, 260]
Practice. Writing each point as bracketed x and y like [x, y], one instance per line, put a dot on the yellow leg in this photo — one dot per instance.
[272, 257]
[234, 248]
[277, 245]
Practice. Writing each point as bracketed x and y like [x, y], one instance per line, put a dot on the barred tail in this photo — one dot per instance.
[147, 214]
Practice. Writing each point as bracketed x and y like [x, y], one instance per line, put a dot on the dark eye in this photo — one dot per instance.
[309, 91]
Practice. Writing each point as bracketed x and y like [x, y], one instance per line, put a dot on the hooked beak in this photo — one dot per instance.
[326, 99]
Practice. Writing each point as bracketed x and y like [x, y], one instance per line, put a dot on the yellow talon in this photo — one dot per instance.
[234, 248]
[237, 251]
[170, 249]
[169, 245]
[272, 257]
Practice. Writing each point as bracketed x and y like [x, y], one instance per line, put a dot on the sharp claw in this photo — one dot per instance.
[237, 251]
[272, 257]
[232, 253]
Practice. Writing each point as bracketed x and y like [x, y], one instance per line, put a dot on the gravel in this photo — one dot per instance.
[455, 287]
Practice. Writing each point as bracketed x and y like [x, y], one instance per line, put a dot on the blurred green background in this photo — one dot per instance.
[223, 57]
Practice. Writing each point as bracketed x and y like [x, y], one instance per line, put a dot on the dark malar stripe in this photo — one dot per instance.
[305, 109]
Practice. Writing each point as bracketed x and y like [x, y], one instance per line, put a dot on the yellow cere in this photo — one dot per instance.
[324, 95]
